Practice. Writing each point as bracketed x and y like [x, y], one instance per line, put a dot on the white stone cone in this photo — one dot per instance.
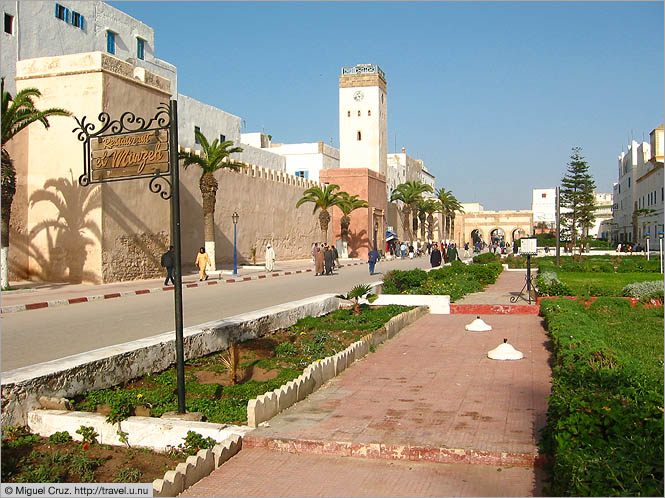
[478, 326]
[505, 352]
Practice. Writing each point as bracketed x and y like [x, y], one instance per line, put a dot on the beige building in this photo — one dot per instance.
[476, 224]
[116, 231]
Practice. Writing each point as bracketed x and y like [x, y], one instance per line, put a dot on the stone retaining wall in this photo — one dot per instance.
[113, 365]
[268, 405]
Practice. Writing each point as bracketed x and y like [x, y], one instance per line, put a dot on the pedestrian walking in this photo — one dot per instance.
[168, 262]
[270, 257]
[402, 249]
[372, 258]
[336, 255]
[202, 261]
[328, 259]
[318, 259]
[315, 247]
[435, 256]
[453, 255]
[410, 251]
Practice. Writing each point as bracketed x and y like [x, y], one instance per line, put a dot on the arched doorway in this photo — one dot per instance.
[497, 236]
[517, 234]
[476, 236]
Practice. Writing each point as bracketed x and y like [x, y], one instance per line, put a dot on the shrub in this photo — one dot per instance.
[486, 257]
[605, 407]
[548, 284]
[643, 289]
[286, 349]
[60, 437]
[515, 261]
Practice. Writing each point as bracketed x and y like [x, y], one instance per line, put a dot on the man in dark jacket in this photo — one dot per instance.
[168, 262]
[372, 258]
[329, 260]
[435, 256]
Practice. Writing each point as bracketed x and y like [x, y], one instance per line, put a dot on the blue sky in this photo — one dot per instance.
[491, 95]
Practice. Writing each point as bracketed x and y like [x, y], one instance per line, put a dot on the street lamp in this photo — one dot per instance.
[235, 217]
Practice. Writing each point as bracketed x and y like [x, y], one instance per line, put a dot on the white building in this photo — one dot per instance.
[403, 168]
[650, 194]
[543, 206]
[306, 160]
[43, 29]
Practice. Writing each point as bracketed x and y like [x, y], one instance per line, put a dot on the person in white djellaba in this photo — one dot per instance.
[270, 257]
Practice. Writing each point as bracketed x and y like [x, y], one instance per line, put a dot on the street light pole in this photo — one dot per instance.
[235, 217]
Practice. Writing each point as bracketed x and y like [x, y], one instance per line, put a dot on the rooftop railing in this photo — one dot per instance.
[363, 69]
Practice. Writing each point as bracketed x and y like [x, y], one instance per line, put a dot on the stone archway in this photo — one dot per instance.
[497, 235]
[476, 236]
[518, 233]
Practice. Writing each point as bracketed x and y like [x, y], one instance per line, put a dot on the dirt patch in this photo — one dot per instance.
[69, 462]
[244, 375]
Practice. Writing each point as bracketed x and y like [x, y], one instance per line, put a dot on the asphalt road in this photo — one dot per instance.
[46, 334]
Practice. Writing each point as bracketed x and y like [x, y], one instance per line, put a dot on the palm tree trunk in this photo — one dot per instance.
[430, 226]
[324, 220]
[405, 222]
[8, 191]
[209, 185]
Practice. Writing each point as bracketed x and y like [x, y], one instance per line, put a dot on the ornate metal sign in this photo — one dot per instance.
[127, 148]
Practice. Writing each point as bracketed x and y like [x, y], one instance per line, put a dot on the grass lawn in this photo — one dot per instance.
[603, 284]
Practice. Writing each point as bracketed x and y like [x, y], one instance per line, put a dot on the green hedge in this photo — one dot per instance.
[486, 257]
[604, 432]
[455, 280]
[600, 264]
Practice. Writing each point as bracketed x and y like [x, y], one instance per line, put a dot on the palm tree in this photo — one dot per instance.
[428, 208]
[323, 199]
[449, 206]
[18, 113]
[356, 294]
[215, 156]
[348, 204]
[410, 193]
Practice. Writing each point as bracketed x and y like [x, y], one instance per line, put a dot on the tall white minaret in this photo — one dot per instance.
[363, 118]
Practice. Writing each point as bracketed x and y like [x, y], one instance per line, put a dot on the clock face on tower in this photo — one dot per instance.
[358, 96]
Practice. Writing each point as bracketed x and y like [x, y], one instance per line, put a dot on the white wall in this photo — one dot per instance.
[310, 157]
[38, 33]
[212, 121]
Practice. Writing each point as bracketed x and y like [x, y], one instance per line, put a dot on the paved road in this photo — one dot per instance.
[51, 333]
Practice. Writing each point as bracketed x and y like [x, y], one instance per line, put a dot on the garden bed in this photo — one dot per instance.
[455, 280]
[265, 364]
[30, 458]
[605, 417]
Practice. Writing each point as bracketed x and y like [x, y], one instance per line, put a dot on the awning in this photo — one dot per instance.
[390, 236]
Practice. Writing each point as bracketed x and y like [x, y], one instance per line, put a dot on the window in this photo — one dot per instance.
[77, 20]
[196, 130]
[140, 48]
[302, 174]
[359, 137]
[9, 24]
[110, 42]
[348, 114]
[629, 182]
[61, 12]
[619, 188]
[662, 193]
[369, 113]
[222, 138]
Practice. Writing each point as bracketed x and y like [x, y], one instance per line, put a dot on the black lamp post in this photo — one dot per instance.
[235, 217]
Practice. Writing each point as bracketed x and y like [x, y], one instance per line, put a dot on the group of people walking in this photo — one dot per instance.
[447, 253]
[325, 257]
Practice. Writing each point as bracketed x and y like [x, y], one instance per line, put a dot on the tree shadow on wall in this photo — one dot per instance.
[64, 257]
[356, 241]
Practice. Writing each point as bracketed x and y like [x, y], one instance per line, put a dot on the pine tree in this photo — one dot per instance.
[577, 188]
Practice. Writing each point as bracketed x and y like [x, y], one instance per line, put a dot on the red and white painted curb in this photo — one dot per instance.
[87, 299]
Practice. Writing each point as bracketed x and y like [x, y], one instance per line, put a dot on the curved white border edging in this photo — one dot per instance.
[268, 405]
[196, 467]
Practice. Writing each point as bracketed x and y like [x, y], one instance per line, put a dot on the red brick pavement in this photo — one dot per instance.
[430, 393]
[257, 472]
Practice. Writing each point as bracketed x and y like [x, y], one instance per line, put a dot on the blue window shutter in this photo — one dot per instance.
[82, 26]
[56, 9]
[67, 17]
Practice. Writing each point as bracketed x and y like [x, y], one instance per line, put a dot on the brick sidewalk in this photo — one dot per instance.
[428, 395]
[256, 472]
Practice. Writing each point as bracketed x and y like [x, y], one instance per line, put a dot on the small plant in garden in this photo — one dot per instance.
[548, 284]
[129, 474]
[85, 467]
[60, 437]
[88, 434]
[643, 289]
[195, 442]
[123, 436]
[357, 293]
[14, 436]
[231, 359]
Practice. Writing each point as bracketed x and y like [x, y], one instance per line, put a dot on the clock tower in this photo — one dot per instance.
[363, 158]
[363, 136]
